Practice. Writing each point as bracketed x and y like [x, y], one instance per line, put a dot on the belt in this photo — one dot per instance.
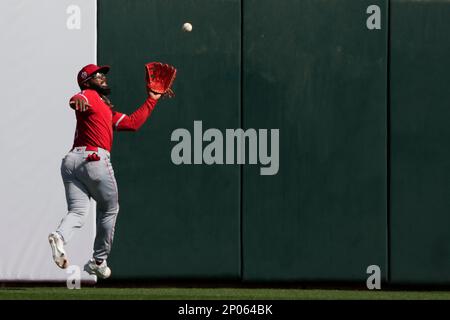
[90, 148]
[87, 148]
[92, 156]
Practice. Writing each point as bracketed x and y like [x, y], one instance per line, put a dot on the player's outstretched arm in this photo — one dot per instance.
[132, 122]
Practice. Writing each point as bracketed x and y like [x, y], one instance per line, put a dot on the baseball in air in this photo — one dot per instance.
[187, 27]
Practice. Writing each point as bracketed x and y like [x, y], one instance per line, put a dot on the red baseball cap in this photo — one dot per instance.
[89, 70]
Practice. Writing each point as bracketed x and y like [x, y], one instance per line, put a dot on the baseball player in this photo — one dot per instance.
[87, 171]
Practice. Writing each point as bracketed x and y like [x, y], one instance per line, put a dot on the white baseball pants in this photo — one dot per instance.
[85, 179]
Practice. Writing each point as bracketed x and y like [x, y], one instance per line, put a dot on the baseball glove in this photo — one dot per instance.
[160, 77]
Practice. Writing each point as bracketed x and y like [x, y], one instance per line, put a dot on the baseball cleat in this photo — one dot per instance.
[101, 271]
[59, 254]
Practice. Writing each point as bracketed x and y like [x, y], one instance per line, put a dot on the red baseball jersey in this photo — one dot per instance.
[95, 126]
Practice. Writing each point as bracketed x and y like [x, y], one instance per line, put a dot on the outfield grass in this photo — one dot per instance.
[61, 293]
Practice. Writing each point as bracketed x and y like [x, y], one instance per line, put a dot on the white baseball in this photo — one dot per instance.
[187, 27]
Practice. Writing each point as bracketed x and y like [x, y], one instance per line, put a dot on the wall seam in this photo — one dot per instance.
[388, 144]
[241, 167]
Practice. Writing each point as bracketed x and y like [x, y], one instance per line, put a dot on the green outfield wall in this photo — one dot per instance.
[175, 221]
[314, 70]
[420, 134]
[357, 90]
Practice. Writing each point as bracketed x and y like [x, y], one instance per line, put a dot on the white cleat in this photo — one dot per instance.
[101, 271]
[59, 254]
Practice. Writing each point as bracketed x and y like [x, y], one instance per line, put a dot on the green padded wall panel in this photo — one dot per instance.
[175, 221]
[315, 71]
[420, 134]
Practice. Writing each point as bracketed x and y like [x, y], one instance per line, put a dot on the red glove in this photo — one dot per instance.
[159, 78]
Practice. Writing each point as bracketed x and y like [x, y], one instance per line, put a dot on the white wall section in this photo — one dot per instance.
[44, 45]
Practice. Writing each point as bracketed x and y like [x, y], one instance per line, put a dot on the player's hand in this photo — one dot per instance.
[154, 95]
[79, 105]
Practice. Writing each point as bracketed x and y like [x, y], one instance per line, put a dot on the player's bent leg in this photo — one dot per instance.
[78, 203]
